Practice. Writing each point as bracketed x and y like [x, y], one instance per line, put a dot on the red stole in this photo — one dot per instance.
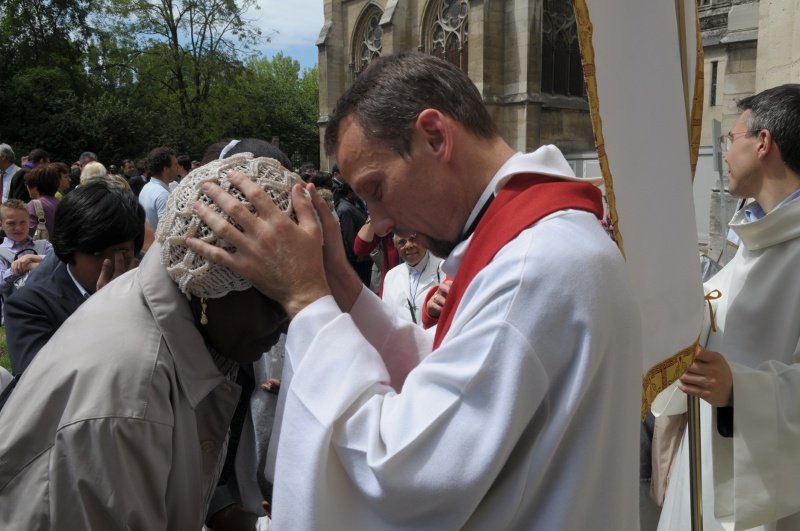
[524, 200]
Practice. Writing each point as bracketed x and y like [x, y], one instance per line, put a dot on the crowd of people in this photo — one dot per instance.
[412, 341]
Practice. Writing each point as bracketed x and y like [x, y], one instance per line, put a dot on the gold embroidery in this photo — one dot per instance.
[662, 375]
[585, 31]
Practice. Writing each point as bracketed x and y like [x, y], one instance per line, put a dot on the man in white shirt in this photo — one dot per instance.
[748, 373]
[7, 168]
[522, 411]
[153, 197]
[406, 285]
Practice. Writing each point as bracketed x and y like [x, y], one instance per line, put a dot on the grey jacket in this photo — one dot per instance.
[120, 420]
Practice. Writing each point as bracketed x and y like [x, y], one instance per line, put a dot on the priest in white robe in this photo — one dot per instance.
[522, 411]
[748, 374]
[406, 284]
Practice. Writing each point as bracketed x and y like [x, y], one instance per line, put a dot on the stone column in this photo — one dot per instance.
[332, 68]
[396, 38]
[778, 59]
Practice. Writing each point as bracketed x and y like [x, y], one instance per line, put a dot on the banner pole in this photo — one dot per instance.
[695, 466]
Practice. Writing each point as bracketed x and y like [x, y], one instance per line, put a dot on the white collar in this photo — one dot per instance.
[85, 293]
[780, 225]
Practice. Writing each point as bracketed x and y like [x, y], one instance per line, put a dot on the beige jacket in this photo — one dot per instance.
[120, 420]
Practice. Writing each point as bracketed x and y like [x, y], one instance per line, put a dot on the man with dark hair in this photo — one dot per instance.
[17, 189]
[748, 371]
[99, 228]
[521, 409]
[185, 165]
[8, 168]
[163, 170]
[129, 170]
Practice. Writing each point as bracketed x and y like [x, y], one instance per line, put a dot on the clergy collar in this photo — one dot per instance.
[780, 225]
[547, 160]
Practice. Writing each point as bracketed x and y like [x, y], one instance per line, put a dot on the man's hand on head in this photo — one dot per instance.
[342, 279]
[282, 259]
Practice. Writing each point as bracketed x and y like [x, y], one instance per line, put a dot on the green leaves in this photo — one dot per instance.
[120, 76]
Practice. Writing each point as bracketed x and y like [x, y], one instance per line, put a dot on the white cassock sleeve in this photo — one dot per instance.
[392, 466]
[757, 471]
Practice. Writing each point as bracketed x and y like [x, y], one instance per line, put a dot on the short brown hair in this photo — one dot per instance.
[386, 99]
[44, 178]
[61, 167]
[16, 204]
[158, 159]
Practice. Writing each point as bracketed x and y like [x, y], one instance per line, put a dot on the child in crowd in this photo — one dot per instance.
[19, 253]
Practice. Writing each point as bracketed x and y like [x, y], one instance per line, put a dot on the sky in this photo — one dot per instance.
[294, 26]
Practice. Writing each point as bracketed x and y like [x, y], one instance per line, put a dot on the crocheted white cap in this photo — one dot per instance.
[194, 274]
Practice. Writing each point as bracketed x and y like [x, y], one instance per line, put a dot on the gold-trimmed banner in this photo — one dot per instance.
[643, 68]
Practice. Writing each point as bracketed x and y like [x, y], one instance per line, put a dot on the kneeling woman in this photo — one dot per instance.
[120, 420]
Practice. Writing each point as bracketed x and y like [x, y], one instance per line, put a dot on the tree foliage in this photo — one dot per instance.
[280, 101]
[119, 77]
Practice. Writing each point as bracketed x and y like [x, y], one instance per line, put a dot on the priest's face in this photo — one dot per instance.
[406, 194]
[744, 172]
[411, 253]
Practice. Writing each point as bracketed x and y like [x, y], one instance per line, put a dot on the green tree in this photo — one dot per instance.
[273, 98]
[119, 77]
[42, 74]
[44, 32]
[186, 48]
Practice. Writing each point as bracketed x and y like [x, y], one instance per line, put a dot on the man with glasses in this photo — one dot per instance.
[748, 372]
[406, 285]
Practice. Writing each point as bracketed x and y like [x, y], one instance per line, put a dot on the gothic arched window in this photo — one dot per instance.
[367, 39]
[446, 25]
[562, 72]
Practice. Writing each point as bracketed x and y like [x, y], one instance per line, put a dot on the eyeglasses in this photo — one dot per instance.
[400, 242]
[725, 141]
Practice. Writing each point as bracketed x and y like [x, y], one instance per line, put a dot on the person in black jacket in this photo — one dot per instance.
[99, 228]
[351, 219]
